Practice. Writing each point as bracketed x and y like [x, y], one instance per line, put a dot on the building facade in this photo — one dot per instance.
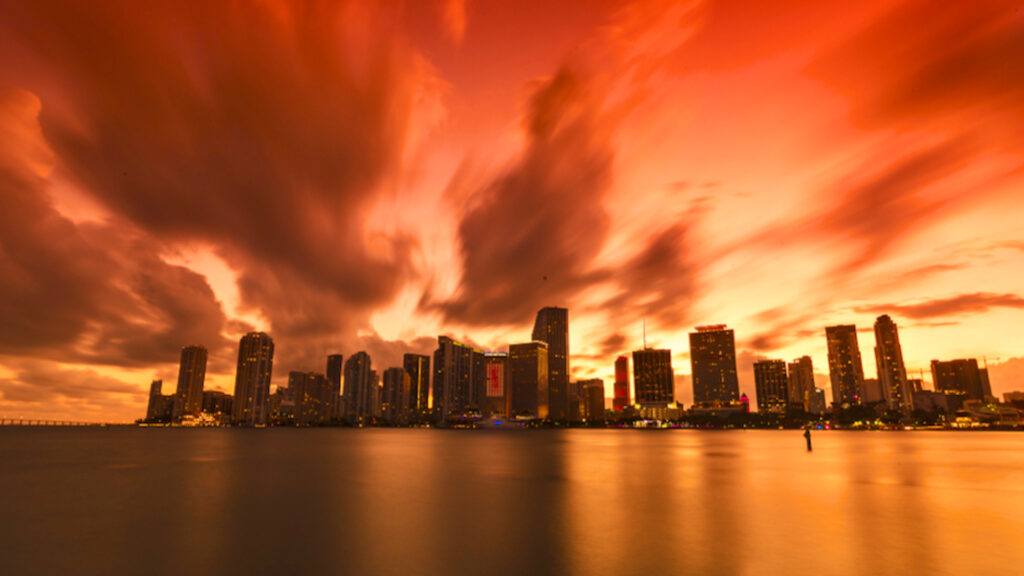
[252, 379]
[191, 375]
[713, 362]
[359, 389]
[801, 384]
[621, 391]
[417, 366]
[552, 328]
[771, 383]
[892, 374]
[527, 380]
[653, 377]
[845, 368]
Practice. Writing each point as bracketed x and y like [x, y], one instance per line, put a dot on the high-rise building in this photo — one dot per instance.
[216, 402]
[188, 398]
[872, 391]
[621, 399]
[360, 389]
[892, 375]
[335, 370]
[394, 406]
[961, 377]
[458, 372]
[495, 397]
[713, 361]
[817, 404]
[552, 328]
[252, 379]
[591, 399]
[801, 384]
[418, 368]
[527, 379]
[311, 397]
[160, 407]
[653, 377]
[845, 369]
[772, 385]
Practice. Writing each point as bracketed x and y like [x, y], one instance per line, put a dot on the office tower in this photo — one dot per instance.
[418, 368]
[216, 402]
[376, 393]
[335, 369]
[311, 398]
[478, 382]
[872, 391]
[892, 375]
[653, 377]
[359, 389]
[713, 362]
[455, 380]
[801, 384]
[527, 379]
[394, 406]
[495, 398]
[552, 328]
[252, 379]
[158, 407]
[772, 386]
[621, 391]
[817, 403]
[591, 399]
[191, 373]
[845, 369]
[961, 377]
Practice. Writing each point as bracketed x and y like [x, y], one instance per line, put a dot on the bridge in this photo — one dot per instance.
[35, 422]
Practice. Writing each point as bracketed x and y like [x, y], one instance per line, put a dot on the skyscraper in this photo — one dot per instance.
[311, 395]
[360, 389]
[160, 406]
[418, 368]
[527, 379]
[335, 369]
[961, 377]
[713, 361]
[191, 374]
[653, 377]
[845, 369]
[772, 385]
[495, 396]
[394, 406]
[621, 391]
[892, 375]
[591, 399]
[252, 379]
[458, 371]
[552, 328]
[801, 384]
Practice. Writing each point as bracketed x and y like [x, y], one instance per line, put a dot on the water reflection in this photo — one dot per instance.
[533, 502]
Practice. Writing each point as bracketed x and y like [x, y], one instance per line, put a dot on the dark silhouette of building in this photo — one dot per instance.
[552, 328]
[653, 378]
[418, 368]
[527, 379]
[458, 371]
[772, 386]
[621, 399]
[817, 404]
[335, 370]
[311, 398]
[394, 406]
[892, 374]
[591, 399]
[713, 362]
[252, 379]
[216, 403]
[191, 374]
[872, 392]
[801, 384]
[845, 369]
[360, 389]
[495, 397]
[961, 377]
[160, 407]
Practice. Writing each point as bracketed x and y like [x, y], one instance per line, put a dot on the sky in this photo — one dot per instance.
[369, 175]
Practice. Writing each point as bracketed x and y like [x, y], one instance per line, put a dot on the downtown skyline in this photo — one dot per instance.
[399, 171]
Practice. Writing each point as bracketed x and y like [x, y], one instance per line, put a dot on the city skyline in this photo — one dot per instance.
[402, 171]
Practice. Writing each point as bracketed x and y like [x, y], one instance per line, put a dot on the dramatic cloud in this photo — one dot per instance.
[976, 303]
[529, 238]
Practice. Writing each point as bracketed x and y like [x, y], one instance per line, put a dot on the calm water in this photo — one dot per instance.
[336, 501]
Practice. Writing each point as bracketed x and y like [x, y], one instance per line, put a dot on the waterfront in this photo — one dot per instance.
[409, 501]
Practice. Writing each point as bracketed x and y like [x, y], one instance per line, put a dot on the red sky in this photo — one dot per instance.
[368, 175]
